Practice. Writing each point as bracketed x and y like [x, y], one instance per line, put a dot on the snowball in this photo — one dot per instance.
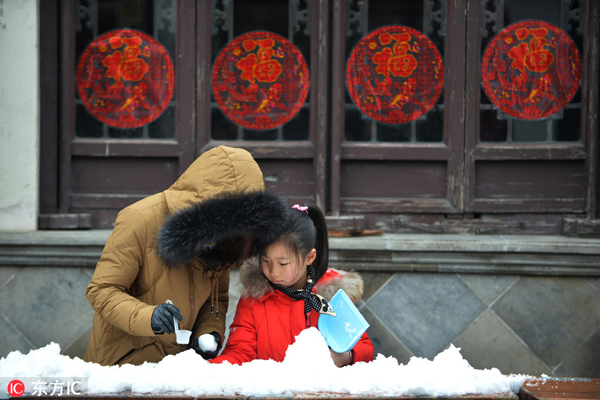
[207, 342]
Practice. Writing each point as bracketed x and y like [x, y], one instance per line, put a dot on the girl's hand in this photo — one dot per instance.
[341, 359]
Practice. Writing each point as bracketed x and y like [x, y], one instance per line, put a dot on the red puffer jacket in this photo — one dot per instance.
[267, 321]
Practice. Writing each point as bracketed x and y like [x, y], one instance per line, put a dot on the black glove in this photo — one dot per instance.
[210, 352]
[162, 318]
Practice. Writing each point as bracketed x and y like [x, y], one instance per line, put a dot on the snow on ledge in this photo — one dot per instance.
[307, 368]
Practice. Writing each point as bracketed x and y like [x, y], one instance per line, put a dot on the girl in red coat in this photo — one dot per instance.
[287, 290]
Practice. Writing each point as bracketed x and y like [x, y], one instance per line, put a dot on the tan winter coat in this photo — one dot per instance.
[130, 280]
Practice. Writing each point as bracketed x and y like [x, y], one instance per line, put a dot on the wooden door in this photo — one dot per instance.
[532, 173]
[465, 166]
[293, 154]
[103, 166]
[515, 164]
[459, 165]
[391, 172]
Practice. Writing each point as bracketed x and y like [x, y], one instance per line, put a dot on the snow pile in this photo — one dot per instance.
[307, 368]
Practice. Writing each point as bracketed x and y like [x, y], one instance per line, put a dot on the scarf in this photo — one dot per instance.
[311, 300]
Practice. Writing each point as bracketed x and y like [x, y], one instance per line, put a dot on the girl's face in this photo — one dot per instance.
[283, 268]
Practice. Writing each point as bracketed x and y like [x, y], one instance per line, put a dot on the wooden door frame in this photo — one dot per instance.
[49, 70]
[591, 104]
[590, 224]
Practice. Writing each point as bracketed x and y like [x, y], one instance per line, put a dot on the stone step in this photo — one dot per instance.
[495, 254]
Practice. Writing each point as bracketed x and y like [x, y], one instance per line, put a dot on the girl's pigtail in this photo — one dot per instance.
[321, 263]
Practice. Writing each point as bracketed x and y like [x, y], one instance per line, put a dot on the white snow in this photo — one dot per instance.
[307, 368]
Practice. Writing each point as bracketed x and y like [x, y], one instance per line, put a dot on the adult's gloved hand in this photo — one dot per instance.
[207, 345]
[162, 318]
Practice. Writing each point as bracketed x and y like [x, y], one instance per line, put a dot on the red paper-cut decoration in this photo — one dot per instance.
[395, 74]
[260, 80]
[531, 69]
[125, 78]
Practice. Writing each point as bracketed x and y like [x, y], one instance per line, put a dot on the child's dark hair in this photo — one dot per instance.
[306, 230]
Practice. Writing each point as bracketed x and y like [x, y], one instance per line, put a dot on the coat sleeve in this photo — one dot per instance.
[207, 321]
[117, 269]
[242, 341]
[363, 350]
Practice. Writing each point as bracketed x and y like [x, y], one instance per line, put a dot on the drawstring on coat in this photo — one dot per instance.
[214, 294]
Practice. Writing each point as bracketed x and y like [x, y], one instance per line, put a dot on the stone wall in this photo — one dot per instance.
[526, 321]
[19, 114]
[518, 324]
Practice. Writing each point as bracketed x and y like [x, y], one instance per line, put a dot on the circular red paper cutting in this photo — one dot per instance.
[125, 78]
[260, 80]
[395, 74]
[531, 69]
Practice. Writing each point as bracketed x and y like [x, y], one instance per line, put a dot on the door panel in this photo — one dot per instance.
[292, 155]
[91, 175]
[400, 179]
[105, 168]
[514, 164]
[374, 164]
[530, 179]
[293, 178]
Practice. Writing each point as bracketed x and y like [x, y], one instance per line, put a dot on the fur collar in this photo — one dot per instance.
[190, 231]
[256, 285]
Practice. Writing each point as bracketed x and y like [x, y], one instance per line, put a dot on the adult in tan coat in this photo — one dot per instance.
[179, 245]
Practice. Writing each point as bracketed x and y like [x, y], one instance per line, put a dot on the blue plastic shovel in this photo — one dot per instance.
[342, 332]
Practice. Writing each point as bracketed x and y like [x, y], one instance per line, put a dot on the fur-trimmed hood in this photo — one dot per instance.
[197, 229]
[256, 285]
[222, 169]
